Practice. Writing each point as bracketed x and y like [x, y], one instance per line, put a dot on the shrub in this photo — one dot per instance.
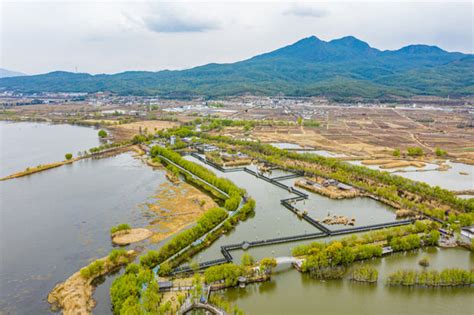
[120, 227]
[415, 151]
[440, 152]
[364, 273]
[396, 152]
[139, 139]
[425, 262]
[116, 254]
[93, 270]
[68, 156]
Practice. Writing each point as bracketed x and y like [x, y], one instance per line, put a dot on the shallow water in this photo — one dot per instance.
[450, 179]
[323, 153]
[28, 144]
[286, 145]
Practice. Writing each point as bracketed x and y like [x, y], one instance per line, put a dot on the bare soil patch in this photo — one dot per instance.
[131, 236]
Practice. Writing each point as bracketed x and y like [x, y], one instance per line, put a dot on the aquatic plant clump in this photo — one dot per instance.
[432, 278]
[364, 273]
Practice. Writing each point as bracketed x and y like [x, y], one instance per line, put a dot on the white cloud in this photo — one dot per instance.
[170, 18]
[305, 10]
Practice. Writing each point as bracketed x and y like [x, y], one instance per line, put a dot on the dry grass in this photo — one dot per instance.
[127, 131]
[177, 206]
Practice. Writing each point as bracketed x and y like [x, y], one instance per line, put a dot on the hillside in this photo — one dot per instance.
[344, 67]
[5, 73]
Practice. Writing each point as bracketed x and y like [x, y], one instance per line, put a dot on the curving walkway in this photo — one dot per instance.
[324, 231]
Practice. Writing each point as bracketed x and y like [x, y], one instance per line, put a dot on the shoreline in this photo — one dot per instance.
[75, 295]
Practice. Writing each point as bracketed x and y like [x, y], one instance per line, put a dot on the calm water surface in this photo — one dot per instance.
[27, 144]
[451, 179]
[55, 222]
[290, 292]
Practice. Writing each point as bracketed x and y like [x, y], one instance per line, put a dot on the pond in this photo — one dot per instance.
[290, 292]
[273, 220]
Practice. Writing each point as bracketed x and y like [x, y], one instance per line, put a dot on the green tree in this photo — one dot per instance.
[247, 260]
[102, 133]
[151, 298]
[68, 156]
[165, 269]
[396, 152]
[268, 264]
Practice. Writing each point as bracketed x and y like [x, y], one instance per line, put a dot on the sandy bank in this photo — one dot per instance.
[131, 236]
[39, 168]
[74, 296]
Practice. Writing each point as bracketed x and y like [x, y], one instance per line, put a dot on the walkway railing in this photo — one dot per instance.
[287, 203]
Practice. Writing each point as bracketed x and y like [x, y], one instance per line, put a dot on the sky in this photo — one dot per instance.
[111, 36]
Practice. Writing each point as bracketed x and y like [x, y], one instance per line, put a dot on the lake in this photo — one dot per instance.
[55, 222]
[28, 144]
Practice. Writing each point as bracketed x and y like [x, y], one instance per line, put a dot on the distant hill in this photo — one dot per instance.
[4, 73]
[345, 67]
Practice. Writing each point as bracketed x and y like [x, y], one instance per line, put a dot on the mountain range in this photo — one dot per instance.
[5, 73]
[345, 67]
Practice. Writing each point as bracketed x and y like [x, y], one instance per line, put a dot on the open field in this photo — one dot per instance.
[127, 131]
[370, 131]
[364, 131]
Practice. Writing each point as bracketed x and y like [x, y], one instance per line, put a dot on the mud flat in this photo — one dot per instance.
[131, 236]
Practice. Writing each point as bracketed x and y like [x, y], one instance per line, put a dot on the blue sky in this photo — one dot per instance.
[109, 36]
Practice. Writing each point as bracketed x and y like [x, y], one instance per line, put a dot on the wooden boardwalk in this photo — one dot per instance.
[287, 203]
